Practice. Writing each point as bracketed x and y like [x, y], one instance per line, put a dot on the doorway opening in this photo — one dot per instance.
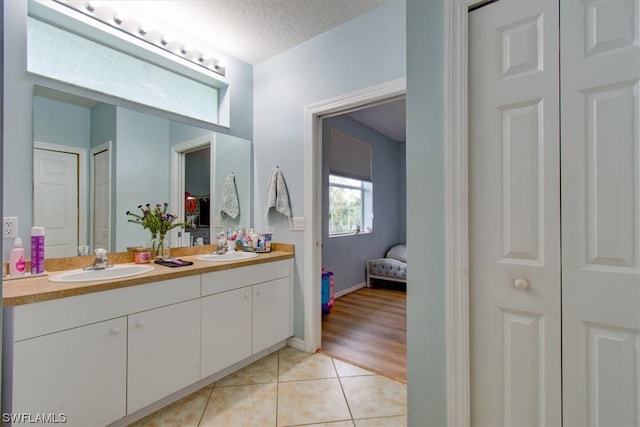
[363, 216]
[191, 173]
[315, 114]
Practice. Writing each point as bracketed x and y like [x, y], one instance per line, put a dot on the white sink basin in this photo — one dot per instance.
[118, 271]
[228, 256]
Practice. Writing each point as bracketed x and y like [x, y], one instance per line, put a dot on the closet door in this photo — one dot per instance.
[600, 212]
[514, 276]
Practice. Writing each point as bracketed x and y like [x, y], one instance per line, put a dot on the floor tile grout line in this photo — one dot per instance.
[206, 405]
[277, 387]
[342, 390]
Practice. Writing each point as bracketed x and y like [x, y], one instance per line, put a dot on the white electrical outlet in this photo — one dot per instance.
[10, 227]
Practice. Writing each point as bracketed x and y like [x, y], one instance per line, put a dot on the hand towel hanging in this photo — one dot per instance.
[230, 204]
[277, 194]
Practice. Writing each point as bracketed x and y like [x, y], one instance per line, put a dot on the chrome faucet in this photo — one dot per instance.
[101, 262]
[221, 247]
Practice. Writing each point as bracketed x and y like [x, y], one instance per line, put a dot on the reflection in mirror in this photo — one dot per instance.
[94, 161]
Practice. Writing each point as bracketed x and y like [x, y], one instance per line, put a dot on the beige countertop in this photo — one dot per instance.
[36, 289]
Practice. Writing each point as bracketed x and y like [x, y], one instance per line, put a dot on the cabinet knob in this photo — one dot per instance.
[140, 323]
[521, 283]
[259, 291]
[115, 330]
[246, 294]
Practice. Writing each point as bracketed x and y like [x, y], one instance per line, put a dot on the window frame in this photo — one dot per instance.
[366, 202]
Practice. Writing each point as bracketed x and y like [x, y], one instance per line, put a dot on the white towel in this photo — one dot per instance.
[230, 204]
[277, 194]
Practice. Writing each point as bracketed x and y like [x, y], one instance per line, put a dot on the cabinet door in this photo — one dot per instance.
[80, 373]
[226, 330]
[271, 313]
[164, 352]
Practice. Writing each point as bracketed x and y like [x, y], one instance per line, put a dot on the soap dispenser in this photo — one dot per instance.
[17, 264]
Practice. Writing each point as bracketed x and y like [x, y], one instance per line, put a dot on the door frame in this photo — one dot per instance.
[313, 116]
[81, 182]
[457, 212]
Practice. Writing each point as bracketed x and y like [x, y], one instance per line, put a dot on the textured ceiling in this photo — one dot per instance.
[252, 30]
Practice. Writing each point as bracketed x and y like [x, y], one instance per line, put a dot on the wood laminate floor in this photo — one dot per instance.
[368, 328]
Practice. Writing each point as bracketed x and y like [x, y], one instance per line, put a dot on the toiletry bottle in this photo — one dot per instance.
[17, 264]
[37, 250]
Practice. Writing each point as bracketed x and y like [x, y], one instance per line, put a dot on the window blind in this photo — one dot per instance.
[348, 156]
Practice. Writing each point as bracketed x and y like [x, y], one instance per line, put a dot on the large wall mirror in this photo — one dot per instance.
[95, 161]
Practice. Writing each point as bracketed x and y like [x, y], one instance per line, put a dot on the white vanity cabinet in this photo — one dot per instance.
[80, 372]
[244, 311]
[163, 352]
[95, 358]
[71, 355]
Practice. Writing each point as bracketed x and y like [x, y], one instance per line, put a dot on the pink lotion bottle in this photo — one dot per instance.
[17, 264]
[37, 250]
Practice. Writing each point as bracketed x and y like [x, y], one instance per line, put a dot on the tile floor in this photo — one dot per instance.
[291, 388]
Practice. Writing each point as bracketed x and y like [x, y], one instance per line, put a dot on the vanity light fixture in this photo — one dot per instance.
[136, 29]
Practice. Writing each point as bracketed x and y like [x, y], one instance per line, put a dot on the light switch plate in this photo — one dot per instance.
[297, 223]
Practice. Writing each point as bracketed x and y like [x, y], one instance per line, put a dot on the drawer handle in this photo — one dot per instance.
[115, 330]
[140, 323]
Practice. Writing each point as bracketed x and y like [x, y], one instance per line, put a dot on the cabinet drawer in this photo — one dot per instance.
[31, 320]
[226, 280]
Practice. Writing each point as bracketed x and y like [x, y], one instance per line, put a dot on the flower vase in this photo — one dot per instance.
[159, 246]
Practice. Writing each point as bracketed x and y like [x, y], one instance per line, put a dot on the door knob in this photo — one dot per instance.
[521, 283]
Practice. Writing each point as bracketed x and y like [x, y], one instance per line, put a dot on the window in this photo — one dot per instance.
[350, 206]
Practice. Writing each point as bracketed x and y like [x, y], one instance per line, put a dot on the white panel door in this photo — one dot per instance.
[101, 195]
[55, 200]
[600, 61]
[514, 214]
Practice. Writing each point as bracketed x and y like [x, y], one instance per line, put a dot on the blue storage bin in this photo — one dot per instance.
[326, 291]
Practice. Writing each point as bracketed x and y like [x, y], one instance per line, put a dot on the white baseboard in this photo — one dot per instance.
[299, 344]
[349, 290]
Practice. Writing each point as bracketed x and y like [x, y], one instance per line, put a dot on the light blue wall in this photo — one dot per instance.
[61, 123]
[346, 256]
[103, 124]
[144, 170]
[197, 174]
[18, 130]
[426, 344]
[364, 52]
